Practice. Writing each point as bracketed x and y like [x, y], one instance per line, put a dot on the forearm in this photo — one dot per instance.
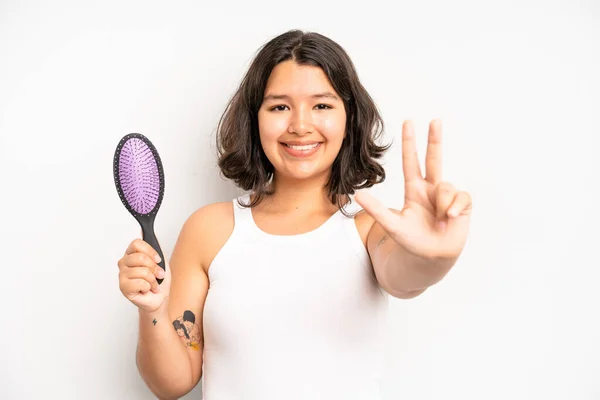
[161, 357]
[407, 273]
[401, 273]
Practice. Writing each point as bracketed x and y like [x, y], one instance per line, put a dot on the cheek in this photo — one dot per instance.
[270, 129]
[333, 127]
[271, 126]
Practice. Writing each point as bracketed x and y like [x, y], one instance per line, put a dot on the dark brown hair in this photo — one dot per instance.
[240, 154]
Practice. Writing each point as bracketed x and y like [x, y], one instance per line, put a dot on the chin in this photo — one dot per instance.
[304, 174]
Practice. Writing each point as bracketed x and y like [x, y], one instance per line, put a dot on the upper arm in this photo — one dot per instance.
[196, 245]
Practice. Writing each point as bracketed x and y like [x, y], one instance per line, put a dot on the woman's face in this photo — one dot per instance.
[302, 121]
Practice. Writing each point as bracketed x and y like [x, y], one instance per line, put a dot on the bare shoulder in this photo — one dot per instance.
[211, 214]
[210, 227]
[364, 222]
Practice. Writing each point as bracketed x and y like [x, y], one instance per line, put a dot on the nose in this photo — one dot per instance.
[301, 123]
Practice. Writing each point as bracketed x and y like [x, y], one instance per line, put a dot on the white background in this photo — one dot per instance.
[516, 85]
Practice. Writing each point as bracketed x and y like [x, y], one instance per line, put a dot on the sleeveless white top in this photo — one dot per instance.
[293, 316]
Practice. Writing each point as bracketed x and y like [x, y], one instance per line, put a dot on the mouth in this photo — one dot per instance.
[302, 147]
[301, 150]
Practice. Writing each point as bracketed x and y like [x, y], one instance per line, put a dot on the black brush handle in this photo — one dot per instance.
[149, 237]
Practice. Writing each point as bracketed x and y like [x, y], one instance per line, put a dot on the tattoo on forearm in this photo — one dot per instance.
[154, 321]
[382, 241]
[186, 327]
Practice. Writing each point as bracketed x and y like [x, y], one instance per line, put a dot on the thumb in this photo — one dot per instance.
[376, 209]
[167, 279]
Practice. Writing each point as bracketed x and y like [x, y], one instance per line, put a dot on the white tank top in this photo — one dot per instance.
[293, 316]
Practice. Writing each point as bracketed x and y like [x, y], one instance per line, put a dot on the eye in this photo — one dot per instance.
[323, 106]
[278, 108]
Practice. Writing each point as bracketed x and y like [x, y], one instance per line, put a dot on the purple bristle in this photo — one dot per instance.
[138, 176]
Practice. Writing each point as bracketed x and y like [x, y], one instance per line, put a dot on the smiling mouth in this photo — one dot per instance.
[301, 150]
[305, 147]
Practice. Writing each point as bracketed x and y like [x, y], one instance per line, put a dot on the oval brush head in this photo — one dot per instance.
[140, 182]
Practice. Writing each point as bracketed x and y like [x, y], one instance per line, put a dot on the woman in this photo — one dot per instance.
[282, 293]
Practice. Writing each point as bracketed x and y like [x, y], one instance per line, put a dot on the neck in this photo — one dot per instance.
[306, 194]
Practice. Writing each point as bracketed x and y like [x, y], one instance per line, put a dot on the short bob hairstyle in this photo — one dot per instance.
[240, 154]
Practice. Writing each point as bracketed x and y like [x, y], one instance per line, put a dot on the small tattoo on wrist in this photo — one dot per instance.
[154, 321]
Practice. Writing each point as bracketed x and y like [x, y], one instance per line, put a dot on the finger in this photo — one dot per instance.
[138, 245]
[383, 215]
[433, 159]
[134, 260]
[134, 286]
[142, 273]
[444, 196]
[461, 205]
[410, 160]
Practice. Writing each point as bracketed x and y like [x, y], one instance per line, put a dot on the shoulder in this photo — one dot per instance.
[364, 222]
[211, 216]
[210, 227]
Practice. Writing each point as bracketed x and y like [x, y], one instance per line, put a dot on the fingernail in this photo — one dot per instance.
[161, 273]
[157, 258]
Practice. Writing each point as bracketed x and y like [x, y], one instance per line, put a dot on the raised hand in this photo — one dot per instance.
[138, 271]
[434, 221]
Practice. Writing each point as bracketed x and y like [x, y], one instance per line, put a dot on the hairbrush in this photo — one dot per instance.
[140, 182]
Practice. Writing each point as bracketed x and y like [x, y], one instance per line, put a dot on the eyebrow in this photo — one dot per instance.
[326, 95]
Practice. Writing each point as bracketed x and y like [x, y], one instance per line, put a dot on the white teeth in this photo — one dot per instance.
[303, 148]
